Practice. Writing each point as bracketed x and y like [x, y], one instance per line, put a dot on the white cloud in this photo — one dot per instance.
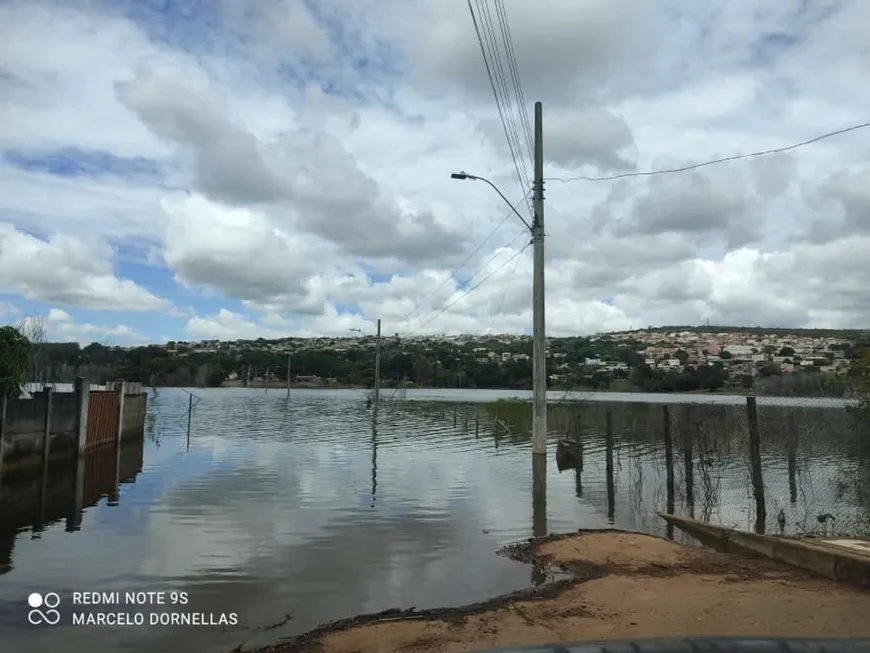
[58, 325]
[67, 270]
[264, 160]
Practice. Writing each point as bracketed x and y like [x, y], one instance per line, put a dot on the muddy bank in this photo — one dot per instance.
[610, 585]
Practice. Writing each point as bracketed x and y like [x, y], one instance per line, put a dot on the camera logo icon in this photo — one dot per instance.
[50, 615]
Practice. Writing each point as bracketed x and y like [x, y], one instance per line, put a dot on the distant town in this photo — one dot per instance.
[604, 361]
[666, 359]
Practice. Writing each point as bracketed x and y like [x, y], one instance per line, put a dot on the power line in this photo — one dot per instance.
[473, 288]
[486, 16]
[483, 266]
[462, 265]
[503, 295]
[735, 157]
[484, 39]
[515, 74]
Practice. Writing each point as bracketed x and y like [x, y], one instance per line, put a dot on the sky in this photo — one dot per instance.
[265, 168]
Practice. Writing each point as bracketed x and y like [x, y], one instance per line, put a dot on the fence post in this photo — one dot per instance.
[792, 444]
[46, 432]
[611, 487]
[755, 465]
[688, 457]
[669, 463]
[83, 398]
[3, 400]
[120, 388]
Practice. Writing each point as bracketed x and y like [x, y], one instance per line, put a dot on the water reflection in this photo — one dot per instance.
[374, 454]
[61, 490]
[275, 506]
[539, 496]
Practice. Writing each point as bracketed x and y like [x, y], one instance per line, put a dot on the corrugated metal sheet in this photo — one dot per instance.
[102, 418]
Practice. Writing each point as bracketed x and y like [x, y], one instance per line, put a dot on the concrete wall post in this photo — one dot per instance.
[46, 431]
[121, 389]
[83, 400]
[3, 400]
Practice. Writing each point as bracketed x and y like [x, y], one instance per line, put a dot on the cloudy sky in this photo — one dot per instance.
[244, 168]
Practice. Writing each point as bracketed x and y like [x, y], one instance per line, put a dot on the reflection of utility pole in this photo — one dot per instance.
[374, 454]
[539, 496]
[378, 366]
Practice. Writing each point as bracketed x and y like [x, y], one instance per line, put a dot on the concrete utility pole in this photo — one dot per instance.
[378, 366]
[539, 336]
[377, 388]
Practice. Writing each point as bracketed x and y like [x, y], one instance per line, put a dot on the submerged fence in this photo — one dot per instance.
[50, 423]
[800, 466]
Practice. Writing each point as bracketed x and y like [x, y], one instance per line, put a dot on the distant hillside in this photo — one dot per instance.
[851, 334]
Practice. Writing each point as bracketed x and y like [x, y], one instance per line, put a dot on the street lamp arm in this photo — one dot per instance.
[465, 175]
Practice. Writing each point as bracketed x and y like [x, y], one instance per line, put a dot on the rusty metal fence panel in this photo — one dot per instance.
[102, 418]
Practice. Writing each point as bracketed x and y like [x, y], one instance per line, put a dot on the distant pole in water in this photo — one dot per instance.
[266, 380]
[378, 366]
[288, 375]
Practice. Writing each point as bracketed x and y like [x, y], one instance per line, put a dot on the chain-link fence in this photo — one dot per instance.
[793, 466]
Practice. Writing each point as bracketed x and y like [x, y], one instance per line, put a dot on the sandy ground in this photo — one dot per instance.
[622, 586]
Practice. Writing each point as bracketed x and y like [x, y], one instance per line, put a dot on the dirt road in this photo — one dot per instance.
[623, 585]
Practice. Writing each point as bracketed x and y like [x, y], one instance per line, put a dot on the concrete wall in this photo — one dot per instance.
[133, 425]
[25, 424]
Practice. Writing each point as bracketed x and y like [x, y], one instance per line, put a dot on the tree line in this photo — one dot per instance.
[483, 363]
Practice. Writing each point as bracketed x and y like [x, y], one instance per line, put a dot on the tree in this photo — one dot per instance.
[32, 328]
[725, 355]
[859, 377]
[769, 369]
[14, 351]
[786, 351]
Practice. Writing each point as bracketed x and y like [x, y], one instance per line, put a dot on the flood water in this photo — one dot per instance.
[293, 513]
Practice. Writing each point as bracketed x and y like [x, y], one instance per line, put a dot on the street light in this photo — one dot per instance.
[539, 340]
[464, 175]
